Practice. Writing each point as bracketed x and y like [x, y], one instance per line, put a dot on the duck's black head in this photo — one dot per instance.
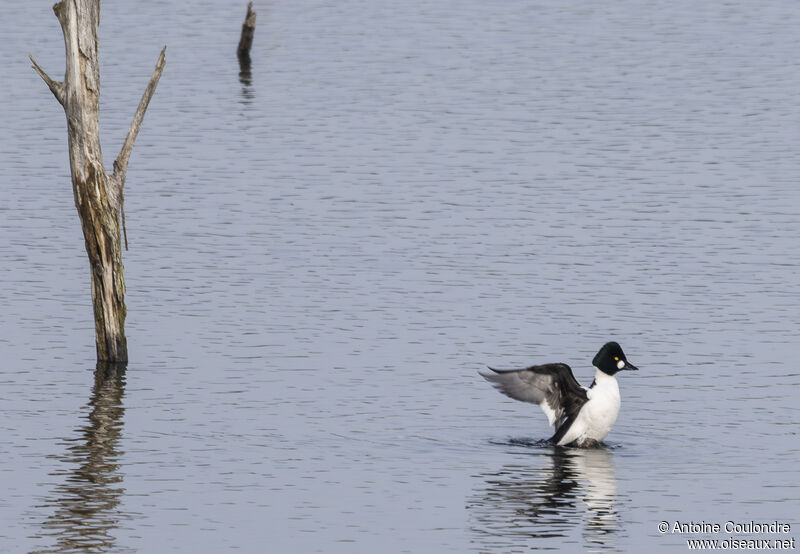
[611, 359]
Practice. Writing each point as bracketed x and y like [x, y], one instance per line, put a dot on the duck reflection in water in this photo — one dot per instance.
[86, 504]
[544, 503]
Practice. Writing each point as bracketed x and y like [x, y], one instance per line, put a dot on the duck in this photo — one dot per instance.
[582, 417]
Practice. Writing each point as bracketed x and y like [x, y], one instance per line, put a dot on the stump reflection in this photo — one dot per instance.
[86, 504]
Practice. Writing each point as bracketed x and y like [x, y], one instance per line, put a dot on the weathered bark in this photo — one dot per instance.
[98, 196]
[248, 30]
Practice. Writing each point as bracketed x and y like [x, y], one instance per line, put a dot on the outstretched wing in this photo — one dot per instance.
[551, 386]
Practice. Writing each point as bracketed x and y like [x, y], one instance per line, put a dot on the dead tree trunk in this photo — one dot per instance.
[248, 30]
[98, 196]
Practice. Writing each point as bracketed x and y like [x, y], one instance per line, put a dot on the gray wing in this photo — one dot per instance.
[551, 386]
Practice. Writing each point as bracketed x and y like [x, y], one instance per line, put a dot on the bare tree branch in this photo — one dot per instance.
[121, 163]
[56, 87]
[117, 179]
[122, 212]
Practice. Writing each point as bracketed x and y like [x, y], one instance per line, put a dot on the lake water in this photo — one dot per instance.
[324, 253]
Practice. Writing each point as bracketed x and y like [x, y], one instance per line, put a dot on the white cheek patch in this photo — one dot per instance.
[620, 364]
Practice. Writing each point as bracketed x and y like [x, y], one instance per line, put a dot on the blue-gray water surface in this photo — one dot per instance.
[325, 252]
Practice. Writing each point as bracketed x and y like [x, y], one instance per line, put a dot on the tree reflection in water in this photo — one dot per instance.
[246, 79]
[86, 503]
[541, 505]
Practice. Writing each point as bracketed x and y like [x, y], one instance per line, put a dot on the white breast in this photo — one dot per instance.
[598, 415]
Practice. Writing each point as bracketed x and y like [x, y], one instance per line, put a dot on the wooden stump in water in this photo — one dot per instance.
[98, 196]
[246, 40]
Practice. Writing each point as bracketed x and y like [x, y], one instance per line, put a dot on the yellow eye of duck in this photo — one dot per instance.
[616, 359]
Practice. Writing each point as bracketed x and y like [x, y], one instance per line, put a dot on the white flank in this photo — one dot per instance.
[598, 415]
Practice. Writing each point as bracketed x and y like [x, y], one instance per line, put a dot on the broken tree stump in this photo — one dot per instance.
[248, 30]
[99, 196]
